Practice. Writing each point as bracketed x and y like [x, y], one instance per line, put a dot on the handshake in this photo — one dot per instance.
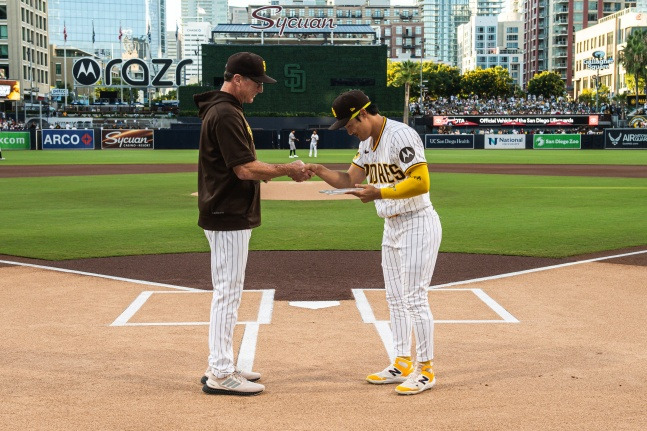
[300, 171]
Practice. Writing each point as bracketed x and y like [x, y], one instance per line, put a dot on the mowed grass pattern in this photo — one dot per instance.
[112, 215]
[587, 157]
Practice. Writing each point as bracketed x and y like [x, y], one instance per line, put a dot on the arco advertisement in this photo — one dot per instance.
[55, 139]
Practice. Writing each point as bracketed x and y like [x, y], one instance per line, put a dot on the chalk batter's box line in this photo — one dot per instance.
[264, 316]
[366, 311]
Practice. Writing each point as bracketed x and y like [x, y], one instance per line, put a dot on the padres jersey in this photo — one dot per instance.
[387, 161]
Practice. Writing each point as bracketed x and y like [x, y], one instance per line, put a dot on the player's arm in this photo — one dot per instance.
[257, 170]
[416, 183]
[339, 179]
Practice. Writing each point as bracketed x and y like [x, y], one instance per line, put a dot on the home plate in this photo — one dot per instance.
[314, 305]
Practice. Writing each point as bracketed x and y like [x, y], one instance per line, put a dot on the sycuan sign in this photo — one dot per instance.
[132, 138]
[281, 23]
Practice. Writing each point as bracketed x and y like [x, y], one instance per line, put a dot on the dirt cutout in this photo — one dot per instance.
[574, 360]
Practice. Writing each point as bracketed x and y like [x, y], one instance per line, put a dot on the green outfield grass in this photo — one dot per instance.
[54, 157]
[112, 215]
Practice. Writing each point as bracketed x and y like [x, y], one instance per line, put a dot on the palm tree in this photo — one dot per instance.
[406, 73]
[634, 56]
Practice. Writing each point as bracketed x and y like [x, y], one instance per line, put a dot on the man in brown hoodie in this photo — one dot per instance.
[229, 178]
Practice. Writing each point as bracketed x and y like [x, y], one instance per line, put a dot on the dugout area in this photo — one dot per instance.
[573, 359]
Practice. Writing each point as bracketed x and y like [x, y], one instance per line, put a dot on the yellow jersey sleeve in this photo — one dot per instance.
[416, 183]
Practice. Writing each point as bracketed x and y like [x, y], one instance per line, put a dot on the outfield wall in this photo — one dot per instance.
[188, 138]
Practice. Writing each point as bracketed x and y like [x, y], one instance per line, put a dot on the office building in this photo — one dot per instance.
[549, 28]
[399, 27]
[24, 45]
[608, 36]
[195, 34]
[441, 19]
[213, 11]
[109, 28]
[489, 41]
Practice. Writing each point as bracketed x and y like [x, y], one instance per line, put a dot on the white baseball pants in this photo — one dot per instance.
[229, 250]
[409, 251]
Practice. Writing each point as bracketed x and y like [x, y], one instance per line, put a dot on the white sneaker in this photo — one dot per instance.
[295, 156]
[420, 380]
[395, 373]
[233, 384]
[252, 376]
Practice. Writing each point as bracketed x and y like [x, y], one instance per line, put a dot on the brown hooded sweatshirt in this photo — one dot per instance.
[225, 201]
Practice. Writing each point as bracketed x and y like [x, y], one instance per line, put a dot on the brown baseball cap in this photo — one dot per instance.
[347, 106]
[249, 65]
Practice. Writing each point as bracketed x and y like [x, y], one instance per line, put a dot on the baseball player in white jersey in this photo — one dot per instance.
[391, 158]
[229, 178]
[293, 146]
[314, 140]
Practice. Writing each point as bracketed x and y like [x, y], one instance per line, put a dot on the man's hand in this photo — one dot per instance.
[299, 171]
[367, 194]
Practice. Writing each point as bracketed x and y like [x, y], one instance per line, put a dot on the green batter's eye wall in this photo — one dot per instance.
[308, 78]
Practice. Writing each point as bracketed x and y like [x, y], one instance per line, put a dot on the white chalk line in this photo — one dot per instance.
[529, 271]
[109, 277]
[247, 349]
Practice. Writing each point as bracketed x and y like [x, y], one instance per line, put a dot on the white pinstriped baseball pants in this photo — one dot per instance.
[229, 250]
[409, 251]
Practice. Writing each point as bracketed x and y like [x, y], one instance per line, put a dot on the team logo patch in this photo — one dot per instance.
[407, 154]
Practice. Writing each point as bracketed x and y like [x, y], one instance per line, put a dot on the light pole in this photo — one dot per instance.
[422, 50]
[597, 90]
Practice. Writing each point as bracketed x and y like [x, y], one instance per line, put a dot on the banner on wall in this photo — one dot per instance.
[505, 142]
[557, 120]
[556, 142]
[449, 141]
[15, 141]
[55, 139]
[625, 139]
[127, 139]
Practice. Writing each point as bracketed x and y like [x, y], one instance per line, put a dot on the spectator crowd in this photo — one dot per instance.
[10, 124]
[531, 105]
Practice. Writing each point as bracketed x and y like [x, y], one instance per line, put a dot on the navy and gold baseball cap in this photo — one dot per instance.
[347, 106]
[249, 65]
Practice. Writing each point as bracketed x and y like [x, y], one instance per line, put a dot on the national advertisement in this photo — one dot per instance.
[128, 139]
[625, 139]
[64, 139]
[449, 141]
[505, 142]
[14, 141]
[556, 142]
